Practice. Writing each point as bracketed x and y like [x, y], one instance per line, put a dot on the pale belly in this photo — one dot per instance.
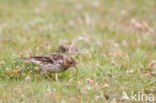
[52, 68]
[57, 68]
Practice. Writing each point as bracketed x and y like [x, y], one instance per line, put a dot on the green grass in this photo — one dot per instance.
[115, 54]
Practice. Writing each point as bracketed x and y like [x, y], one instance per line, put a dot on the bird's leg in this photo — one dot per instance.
[52, 76]
[45, 73]
[48, 77]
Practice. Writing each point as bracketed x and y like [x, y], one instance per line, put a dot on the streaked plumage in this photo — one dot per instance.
[54, 63]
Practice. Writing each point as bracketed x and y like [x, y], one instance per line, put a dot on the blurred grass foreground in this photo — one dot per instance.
[116, 42]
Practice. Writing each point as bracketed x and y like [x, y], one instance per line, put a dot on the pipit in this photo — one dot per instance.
[53, 63]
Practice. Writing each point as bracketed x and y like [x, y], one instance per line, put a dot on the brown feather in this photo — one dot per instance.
[55, 62]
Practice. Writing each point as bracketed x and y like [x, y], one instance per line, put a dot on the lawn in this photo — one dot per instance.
[116, 41]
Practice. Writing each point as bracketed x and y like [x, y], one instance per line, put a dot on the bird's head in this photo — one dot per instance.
[70, 62]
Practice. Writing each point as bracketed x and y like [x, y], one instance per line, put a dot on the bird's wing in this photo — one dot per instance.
[50, 58]
[56, 56]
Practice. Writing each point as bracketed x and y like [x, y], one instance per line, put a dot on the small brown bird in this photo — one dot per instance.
[53, 63]
[66, 48]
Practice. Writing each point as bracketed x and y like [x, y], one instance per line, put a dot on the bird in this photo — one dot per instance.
[63, 48]
[53, 63]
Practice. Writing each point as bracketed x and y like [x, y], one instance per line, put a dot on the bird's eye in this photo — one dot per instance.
[70, 62]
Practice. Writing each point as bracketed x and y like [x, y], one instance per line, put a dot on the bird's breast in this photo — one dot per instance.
[57, 68]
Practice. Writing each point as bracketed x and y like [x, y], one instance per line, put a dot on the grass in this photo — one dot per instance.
[116, 41]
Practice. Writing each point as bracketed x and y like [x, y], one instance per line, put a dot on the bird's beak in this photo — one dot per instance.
[75, 67]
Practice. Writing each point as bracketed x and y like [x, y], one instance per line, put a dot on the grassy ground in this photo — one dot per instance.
[116, 41]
